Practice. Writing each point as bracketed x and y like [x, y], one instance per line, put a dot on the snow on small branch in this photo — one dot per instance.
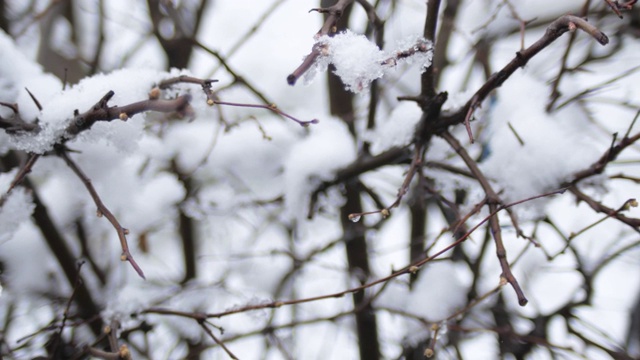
[358, 61]
[334, 13]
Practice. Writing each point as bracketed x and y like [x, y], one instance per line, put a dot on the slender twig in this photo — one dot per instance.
[24, 171]
[493, 201]
[220, 343]
[104, 211]
[212, 99]
[65, 315]
[405, 270]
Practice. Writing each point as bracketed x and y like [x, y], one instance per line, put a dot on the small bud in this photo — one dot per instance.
[154, 94]
[125, 231]
[107, 329]
[428, 353]
[99, 213]
[123, 257]
[124, 352]
[123, 116]
[503, 281]
[435, 327]
[354, 217]
[385, 213]
[278, 304]
[630, 203]
[210, 102]
[413, 269]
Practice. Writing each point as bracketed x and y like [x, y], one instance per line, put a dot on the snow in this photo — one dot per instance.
[397, 130]
[314, 159]
[16, 206]
[358, 61]
[539, 166]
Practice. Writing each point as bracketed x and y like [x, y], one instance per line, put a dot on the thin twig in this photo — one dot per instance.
[104, 211]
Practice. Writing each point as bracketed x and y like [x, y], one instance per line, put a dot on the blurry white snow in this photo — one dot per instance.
[554, 145]
[397, 130]
[314, 159]
[16, 208]
[439, 291]
[358, 61]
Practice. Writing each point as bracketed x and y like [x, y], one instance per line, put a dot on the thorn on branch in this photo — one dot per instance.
[34, 99]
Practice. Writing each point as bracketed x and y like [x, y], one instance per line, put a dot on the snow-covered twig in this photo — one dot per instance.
[334, 13]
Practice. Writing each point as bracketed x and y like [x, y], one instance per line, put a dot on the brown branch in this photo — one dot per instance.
[616, 6]
[24, 171]
[217, 341]
[101, 112]
[57, 337]
[88, 309]
[16, 124]
[610, 155]
[212, 98]
[429, 33]
[553, 32]
[272, 108]
[599, 207]
[104, 211]
[493, 201]
[334, 13]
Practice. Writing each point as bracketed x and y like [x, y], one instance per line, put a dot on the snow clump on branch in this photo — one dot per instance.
[358, 61]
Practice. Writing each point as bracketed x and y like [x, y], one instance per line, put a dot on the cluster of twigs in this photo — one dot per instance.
[434, 123]
[101, 111]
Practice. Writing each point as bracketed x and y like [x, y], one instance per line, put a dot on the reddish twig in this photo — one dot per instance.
[212, 98]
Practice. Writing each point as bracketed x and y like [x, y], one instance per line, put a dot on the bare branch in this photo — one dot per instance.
[104, 211]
